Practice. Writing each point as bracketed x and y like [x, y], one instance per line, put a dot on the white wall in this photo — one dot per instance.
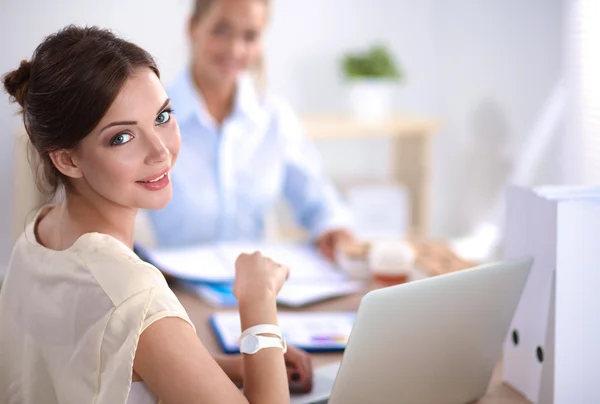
[483, 67]
[497, 62]
[306, 43]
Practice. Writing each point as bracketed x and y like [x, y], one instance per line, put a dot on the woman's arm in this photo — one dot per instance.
[233, 366]
[310, 193]
[265, 377]
[179, 369]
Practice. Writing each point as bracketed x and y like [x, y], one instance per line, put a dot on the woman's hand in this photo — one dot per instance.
[257, 277]
[299, 369]
[330, 241]
[297, 362]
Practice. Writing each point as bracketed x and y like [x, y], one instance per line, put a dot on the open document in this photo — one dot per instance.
[209, 271]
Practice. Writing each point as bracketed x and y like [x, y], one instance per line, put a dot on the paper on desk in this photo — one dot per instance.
[312, 277]
[304, 261]
[298, 294]
[202, 263]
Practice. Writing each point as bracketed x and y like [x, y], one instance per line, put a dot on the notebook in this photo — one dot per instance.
[310, 331]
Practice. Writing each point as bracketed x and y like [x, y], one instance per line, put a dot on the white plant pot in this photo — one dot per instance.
[371, 100]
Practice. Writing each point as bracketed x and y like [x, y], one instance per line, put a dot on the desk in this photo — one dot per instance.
[200, 313]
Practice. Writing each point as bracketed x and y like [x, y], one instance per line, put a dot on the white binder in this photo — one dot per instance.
[530, 231]
[560, 229]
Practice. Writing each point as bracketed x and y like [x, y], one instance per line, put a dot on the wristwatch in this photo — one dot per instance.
[251, 344]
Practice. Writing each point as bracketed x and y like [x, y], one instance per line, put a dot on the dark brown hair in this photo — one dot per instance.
[64, 91]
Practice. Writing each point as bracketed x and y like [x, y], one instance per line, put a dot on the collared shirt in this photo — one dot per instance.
[228, 177]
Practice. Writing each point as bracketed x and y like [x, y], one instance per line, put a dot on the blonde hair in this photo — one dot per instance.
[201, 7]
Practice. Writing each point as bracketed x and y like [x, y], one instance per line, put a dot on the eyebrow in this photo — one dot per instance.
[167, 101]
[120, 123]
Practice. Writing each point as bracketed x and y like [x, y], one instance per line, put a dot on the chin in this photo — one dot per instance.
[226, 77]
[156, 200]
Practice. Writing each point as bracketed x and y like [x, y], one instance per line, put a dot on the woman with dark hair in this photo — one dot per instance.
[82, 318]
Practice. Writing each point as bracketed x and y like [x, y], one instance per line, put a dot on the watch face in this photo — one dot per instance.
[249, 344]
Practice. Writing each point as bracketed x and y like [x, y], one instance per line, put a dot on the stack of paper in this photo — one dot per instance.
[210, 270]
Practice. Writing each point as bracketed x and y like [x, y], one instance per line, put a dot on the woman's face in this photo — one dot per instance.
[127, 158]
[227, 39]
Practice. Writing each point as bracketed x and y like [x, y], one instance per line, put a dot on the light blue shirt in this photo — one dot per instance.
[228, 177]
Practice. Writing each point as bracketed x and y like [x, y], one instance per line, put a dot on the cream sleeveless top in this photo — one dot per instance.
[70, 320]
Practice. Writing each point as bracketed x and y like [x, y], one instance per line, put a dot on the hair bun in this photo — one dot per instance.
[16, 81]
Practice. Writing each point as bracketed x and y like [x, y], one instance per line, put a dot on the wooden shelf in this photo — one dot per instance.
[337, 126]
[410, 152]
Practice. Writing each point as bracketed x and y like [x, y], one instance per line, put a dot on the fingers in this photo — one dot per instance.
[300, 370]
[329, 242]
[326, 247]
[309, 372]
[286, 271]
[298, 380]
[244, 258]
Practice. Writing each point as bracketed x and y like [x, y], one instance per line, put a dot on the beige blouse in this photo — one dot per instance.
[70, 320]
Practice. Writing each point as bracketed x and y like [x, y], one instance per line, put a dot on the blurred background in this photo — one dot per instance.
[497, 84]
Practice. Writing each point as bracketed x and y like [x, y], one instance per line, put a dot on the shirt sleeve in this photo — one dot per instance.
[120, 339]
[163, 304]
[314, 200]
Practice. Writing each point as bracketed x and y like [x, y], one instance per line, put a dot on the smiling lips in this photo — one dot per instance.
[157, 182]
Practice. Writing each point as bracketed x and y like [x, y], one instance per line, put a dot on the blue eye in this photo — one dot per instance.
[121, 139]
[163, 117]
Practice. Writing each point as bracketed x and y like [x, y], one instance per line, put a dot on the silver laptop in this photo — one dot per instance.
[433, 341]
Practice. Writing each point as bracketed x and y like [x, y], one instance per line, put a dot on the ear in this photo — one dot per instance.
[65, 163]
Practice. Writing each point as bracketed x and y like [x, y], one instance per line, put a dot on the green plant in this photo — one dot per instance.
[374, 63]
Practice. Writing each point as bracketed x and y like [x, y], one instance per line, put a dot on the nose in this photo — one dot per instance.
[236, 47]
[157, 149]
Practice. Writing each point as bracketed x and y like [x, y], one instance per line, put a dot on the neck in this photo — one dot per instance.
[80, 216]
[218, 97]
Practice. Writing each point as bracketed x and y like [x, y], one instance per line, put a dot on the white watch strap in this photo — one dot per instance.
[271, 342]
[263, 329]
[260, 342]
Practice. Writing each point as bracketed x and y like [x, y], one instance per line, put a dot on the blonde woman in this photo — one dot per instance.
[242, 149]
